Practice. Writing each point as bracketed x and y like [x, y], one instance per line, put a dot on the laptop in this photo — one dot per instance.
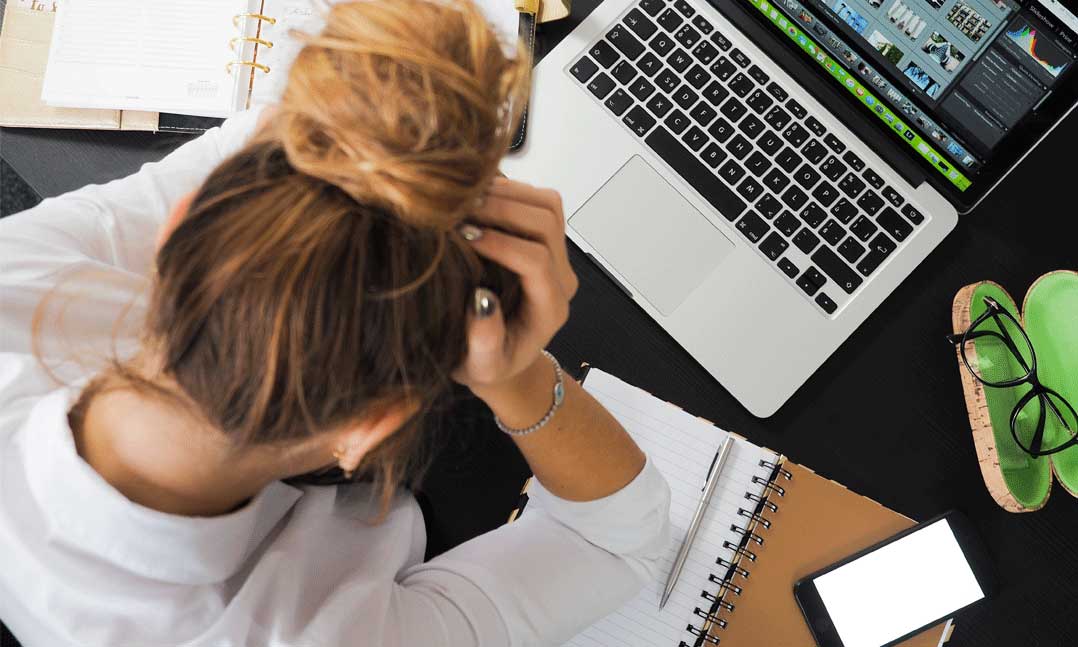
[758, 175]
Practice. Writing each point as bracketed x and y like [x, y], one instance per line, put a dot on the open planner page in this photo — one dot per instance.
[682, 447]
[155, 55]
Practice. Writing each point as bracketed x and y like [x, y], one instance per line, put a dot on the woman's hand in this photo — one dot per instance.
[500, 353]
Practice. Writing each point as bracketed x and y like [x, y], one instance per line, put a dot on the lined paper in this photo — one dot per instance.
[682, 447]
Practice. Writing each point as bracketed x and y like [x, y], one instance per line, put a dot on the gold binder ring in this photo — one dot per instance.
[257, 16]
[251, 64]
[232, 42]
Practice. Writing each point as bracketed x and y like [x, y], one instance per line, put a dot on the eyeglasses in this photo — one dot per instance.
[999, 354]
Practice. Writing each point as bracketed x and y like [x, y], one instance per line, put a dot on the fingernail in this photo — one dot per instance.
[485, 303]
[470, 233]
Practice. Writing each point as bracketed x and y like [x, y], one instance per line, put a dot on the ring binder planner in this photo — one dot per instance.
[239, 21]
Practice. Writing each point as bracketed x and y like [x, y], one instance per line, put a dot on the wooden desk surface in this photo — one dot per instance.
[884, 415]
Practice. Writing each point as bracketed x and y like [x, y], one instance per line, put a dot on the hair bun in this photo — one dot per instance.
[406, 105]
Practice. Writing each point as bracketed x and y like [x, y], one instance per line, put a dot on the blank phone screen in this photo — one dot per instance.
[900, 587]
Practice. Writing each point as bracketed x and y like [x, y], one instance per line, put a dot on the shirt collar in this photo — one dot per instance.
[85, 513]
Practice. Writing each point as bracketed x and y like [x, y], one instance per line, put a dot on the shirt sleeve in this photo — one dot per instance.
[542, 579]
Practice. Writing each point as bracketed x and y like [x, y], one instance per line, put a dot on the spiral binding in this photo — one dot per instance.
[239, 19]
[741, 553]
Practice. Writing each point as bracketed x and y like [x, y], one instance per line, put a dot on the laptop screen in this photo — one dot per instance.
[951, 79]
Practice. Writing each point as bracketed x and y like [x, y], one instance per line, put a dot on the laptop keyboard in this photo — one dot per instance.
[815, 210]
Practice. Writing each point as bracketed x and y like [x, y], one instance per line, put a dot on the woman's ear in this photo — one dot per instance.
[175, 217]
[355, 442]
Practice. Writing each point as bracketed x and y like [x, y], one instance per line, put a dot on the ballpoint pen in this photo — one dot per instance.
[697, 517]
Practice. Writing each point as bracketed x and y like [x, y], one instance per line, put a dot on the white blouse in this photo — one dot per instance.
[82, 565]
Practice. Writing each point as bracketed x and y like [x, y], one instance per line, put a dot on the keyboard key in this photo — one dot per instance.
[662, 44]
[759, 101]
[649, 64]
[685, 97]
[788, 159]
[814, 151]
[619, 102]
[870, 203]
[775, 90]
[806, 176]
[834, 143]
[713, 155]
[825, 193]
[623, 72]
[815, 126]
[639, 121]
[812, 215]
[733, 109]
[642, 89]
[739, 147]
[795, 135]
[778, 118]
[757, 163]
[850, 249]
[695, 138]
[851, 185]
[584, 69]
[832, 168]
[769, 142]
[776, 181]
[774, 246]
[794, 198]
[753, 227]
[788, 268]
[806, 241]
[721, 130]
[604, 53]
[601, 85]
[873, 178]
[703, 25]
[731, 171]
[796, 109]
[652, 7]
[832, 232]
[893, 224]
[826, 303]
[844, 211]
[621, 38]
[640, 24]
[912, 214]
[788, 224]
[834, 267]
[749, 189]
[811, 281]
[670, 19]
[687, 36]
[758, 75]
[853, 160]
[702, 114]
[892, 196]
[769, 207]
[741, 85]
[667, 80]
[659, 105]
[695, 173]
[722, 42]
[878, 251]
[679, 60]
[863, 228]
[705, 52]
[685, 8]
[751, 126]
[697, 76]
[723, 68]
[739, 57]
[677, 122]
[715, 93]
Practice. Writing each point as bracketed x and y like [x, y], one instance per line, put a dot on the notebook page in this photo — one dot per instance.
[682, 448]
[155, 55]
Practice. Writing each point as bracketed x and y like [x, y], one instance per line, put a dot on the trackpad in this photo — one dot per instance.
[651, 235]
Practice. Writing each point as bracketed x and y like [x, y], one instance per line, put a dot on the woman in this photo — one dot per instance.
[321, 277]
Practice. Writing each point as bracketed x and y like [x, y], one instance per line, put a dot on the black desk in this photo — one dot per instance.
[884, 415]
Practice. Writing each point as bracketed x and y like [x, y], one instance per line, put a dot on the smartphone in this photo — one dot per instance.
[899, 587]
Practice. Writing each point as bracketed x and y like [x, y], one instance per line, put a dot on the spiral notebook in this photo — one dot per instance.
[770, 523]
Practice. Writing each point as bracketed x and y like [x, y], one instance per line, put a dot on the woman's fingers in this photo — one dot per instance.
[544, 295]
[521, 218]
[546, 198]
[487, 357]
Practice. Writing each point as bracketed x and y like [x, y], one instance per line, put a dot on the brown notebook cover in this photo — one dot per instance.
[818, 522]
